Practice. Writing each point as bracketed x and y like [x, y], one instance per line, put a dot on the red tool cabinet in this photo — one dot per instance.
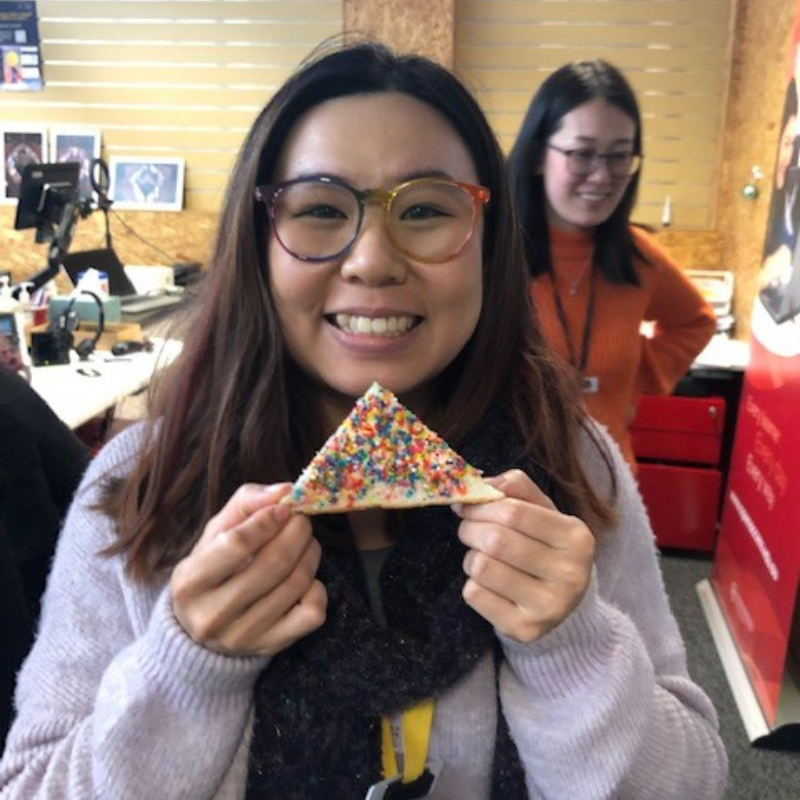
[678, 444]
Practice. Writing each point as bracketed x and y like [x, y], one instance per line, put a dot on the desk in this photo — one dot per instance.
[723, 353]
[77, 398]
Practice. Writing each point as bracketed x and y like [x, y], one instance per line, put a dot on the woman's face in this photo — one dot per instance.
[581, 203]
[375, 314]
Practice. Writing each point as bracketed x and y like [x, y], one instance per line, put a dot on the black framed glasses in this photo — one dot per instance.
[319, 218]
[582, 162]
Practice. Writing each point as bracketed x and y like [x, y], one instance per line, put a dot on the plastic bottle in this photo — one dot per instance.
[26, 306]
[8, 305]
[93, 280]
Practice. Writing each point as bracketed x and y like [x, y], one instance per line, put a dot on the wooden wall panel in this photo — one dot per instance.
[555, 12]
[674, 52]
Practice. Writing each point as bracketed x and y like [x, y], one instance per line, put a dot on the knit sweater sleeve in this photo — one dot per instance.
[603, 706]
[683, 321]
[115, 700]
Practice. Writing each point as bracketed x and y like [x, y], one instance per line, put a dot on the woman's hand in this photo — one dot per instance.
[248, 587]
[528, 565]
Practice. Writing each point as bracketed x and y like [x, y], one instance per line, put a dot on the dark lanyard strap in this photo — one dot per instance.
[587, 327]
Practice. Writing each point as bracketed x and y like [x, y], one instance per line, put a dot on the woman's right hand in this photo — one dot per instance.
[249, 586]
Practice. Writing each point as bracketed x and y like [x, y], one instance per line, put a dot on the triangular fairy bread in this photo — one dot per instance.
[383, 456]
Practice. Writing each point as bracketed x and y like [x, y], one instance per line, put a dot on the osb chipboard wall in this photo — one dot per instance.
[420, 26]
[693, 249]
[758, 87]
[139, 237]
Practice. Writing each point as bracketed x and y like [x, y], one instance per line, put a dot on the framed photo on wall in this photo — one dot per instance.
[20, 59]
[72, 144]
[21, 145]
[146, 184]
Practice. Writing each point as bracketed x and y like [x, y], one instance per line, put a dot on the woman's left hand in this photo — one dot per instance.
[528, 565]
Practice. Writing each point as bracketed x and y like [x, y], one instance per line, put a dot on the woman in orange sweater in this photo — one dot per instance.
[595, 277]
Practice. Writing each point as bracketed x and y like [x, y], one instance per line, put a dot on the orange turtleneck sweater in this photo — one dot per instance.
[625, 362]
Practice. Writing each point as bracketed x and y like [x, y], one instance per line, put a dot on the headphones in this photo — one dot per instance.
[68, 322]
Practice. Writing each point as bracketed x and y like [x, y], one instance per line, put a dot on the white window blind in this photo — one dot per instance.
[675, 53]
[169, 78]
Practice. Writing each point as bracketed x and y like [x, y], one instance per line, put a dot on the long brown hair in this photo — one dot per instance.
[232, 411]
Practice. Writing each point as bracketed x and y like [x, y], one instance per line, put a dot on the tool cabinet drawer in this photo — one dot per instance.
[679, 429]
[683, 504]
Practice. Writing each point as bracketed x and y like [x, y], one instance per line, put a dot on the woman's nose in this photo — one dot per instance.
[373, 259]
[601, 170]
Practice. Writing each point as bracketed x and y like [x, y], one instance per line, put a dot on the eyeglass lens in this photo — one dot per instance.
[428, 219]
[585, 162]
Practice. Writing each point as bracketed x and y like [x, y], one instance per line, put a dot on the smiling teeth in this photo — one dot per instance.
[375, 326]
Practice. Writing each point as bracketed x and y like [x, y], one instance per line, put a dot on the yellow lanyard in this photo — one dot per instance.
[416, 723]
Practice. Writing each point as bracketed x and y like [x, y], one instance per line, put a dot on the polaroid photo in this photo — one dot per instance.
[147, 184]
[83, 146]
[21, 145]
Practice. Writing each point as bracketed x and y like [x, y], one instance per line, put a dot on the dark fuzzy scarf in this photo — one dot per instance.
[319, 703]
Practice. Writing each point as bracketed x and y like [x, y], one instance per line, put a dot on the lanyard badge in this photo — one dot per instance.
[419, 775]
[590, 384]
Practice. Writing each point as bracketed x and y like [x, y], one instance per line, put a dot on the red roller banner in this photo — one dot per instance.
[757, 562]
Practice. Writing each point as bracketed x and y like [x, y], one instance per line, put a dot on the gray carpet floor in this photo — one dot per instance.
[755, 773]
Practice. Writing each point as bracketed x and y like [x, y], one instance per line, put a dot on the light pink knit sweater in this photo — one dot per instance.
[115, 701]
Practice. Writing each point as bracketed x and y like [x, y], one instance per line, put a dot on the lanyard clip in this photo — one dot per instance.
[394, 789]
[421, 787]
[378, 790]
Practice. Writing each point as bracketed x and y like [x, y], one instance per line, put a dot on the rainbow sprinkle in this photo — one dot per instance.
[383, 455]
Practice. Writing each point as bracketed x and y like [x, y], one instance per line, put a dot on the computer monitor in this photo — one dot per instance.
[45, 190]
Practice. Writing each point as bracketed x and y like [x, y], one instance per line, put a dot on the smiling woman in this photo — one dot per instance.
[595, 278]
[415, 268]
[524, 646]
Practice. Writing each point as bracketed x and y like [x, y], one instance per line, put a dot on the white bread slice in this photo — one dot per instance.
[383, 456]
